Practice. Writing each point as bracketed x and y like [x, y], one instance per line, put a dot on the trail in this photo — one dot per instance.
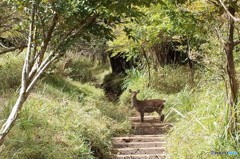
[148, 140]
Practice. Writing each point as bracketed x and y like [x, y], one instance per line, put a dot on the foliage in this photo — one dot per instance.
[164, 22]
[171, 80]
[54, 27]
[10, 71]
[66, 107]
[166, 80]
[211, 40]
[202, 122]
[112, 85]
[199, 114]
[63, 119]
[74, 13]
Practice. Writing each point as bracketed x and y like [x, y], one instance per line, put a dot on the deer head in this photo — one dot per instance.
[134, 93]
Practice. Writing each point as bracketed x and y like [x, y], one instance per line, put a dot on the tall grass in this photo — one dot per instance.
[10, 72]
[63, 118]
[199, 114]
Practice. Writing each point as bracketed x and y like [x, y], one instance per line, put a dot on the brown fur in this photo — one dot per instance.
[147, 106]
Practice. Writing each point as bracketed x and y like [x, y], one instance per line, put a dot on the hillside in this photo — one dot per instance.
[63, 118]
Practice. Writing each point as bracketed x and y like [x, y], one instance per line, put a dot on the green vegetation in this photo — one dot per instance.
[67, 117]
[201, 89]
[185, 52]
[63, 117]
[10, 73]
[199, 115]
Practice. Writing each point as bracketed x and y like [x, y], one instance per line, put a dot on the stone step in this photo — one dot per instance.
[150, 128]
[135, 151]
[139, 144]
[139, 138]
[148, 131]
[146, 124]
[145, 156]
[148, 141]
[146, 119]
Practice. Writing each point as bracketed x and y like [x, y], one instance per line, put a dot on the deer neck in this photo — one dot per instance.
[134, 100]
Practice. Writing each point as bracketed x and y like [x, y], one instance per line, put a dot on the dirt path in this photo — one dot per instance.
[148, 140]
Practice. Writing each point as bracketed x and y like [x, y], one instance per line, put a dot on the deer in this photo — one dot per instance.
[147, 106]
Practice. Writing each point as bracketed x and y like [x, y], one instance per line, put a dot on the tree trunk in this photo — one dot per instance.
[24, 82]
[34, 67]
[190, 64]
[148, 65]
[231, 71]
[13, 116]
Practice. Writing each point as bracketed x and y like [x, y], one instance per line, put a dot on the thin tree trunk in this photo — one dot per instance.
[47, 38]
[148, 65]
[190, 64]
[231, 71]
[23, 95]
[13, 116]
[31, 73]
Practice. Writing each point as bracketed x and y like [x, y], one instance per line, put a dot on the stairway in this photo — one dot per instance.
[148, 140]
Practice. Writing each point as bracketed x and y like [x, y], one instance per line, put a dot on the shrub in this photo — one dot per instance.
[10, 72]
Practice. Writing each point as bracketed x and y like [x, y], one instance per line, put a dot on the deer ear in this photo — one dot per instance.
[130, 90]
[138, 91]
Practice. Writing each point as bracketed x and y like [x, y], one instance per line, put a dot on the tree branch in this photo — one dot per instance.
[37, 60]
[13, 49]
[30, 39]
[23, 95]
[80, 30]
[236, 42]
[214, 3]
[40, 72]
[47, 38]
[234, 18]
[219, 35]
[27, 86]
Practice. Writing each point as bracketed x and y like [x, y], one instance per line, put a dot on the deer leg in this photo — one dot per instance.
[161, 116]
[142, 117]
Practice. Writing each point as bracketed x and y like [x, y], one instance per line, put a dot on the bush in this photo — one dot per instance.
[10, 72]
[170, 80]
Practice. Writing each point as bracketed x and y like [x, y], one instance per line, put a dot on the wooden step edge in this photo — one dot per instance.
[140, 155]
[145, 117]
[135, 155]
[141, 148]
[150, 135]
[138, 145]
[141, 143]
[139, 137]
[151, 124]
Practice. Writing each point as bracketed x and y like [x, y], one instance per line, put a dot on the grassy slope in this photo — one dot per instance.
[199, 114]
[61, 119]
[68, 119]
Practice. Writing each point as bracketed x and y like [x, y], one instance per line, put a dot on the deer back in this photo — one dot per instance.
[149, 105]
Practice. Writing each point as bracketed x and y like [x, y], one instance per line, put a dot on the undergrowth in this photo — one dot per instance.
[68, 117]
[10, 72]
[63, 117]
[199, 113]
